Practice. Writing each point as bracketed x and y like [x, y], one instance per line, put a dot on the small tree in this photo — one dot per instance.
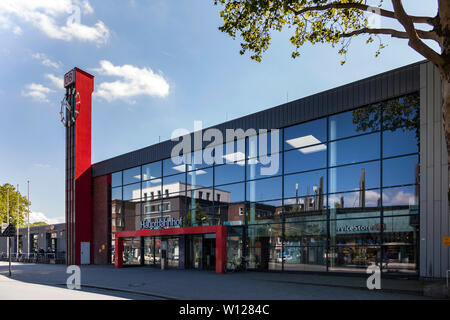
[23, 204]
[337, 22]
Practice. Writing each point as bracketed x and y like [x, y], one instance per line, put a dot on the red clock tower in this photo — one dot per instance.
[76, 110]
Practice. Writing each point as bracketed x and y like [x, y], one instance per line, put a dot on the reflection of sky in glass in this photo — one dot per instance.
[399, 171]
[295, 161]
[362, 148]
[236, 190]
[349, 177]
[316, 128]
[116, 193]
[399, 142]
[341, 126]
[352, 199]
[400, 196]
[229, 173]
[302, 181]
[132, 191]
[266, 189]
[151, 170]
[132, 175]
[116, 179]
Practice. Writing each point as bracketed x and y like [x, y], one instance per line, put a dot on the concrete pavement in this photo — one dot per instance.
[151, 283]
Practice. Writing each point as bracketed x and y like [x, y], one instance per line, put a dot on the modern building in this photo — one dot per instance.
[49, 239]
[340, 180]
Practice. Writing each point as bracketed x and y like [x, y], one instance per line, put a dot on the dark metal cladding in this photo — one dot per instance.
[381, 87]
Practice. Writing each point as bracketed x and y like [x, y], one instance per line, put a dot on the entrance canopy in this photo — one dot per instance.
[219, 230]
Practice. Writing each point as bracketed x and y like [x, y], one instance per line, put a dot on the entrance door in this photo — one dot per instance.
[201, 252]
[85, 252]
[209, 254]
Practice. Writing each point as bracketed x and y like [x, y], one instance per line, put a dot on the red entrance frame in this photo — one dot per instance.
[219, 230]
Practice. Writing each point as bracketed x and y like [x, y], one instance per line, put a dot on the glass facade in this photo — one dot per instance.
[342, 195]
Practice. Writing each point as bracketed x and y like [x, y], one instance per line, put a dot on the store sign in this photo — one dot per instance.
[359, 228]
[162, 223]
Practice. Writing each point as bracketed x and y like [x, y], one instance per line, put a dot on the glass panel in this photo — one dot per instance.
[116, 179]
[354, 122]
[401, 258]
[131, 251]
[234, 246]
[304, 208]
[353, 258]
[229, 173]
[303, 184]
[304, 160]
[116, 193]
[400, 230]
[132, 175]
[266, 143]
[264, 258]
[304, 134]
[151, 189]
[229, 194]
[311, 233]
[265, 235]
[173, 166]
[354, 150]
[354, 177]
[361, 200]
[400, 141]
[151, 170]
[401, 171]
[132, 191]
[264, 166]
[401, 201]
[200, 178]
[353, 232]
[305, 258]
[198, 215]
[149, 250]
[401, 112]
[174, 185]
[266, 189]
[264, 212]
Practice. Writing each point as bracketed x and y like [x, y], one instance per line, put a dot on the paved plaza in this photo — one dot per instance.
[46, 281]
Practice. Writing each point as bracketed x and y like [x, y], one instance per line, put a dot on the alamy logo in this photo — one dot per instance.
[374, 280]
[74, 280]
[259, 151]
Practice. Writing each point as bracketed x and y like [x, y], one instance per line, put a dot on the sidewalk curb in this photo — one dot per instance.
[154, 295]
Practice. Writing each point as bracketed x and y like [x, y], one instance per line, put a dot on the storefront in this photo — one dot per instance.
[334, 182]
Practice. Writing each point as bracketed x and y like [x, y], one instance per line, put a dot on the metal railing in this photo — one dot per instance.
[58, 257]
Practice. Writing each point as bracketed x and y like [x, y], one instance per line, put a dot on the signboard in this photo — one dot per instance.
[161, 223]
[446, 241]
[69, 78]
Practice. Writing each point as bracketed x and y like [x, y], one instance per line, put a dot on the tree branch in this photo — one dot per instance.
[414, 40]
[392, 32]
[382, 12]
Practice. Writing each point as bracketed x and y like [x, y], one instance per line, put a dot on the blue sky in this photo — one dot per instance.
[197, 70]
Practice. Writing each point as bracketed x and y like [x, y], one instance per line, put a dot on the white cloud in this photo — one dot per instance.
[41, 217]
[36, 91]
[58, 82]
[58, 19]
[133, 82]
[46, 61]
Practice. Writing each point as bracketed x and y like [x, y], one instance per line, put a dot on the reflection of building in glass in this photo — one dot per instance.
[346, 193]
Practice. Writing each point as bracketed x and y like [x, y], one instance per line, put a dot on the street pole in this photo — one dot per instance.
[17, 228]
[28, 222]
[7, 220]
[8, 238]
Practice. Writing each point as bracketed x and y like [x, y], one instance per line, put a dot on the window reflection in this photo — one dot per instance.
[175, 184]
[132, 175]
[174, 166]
[401, 171]
[151, 170]
[298, 160]
[354, 122]
[200, 178]
[400, 141]
[353, 150]
[132, 191]
[403, 200]
[309, 133]
[229, 173]
[116, 179]
[266, 189]
[302, 184]
[361, 176]
[359, 200]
